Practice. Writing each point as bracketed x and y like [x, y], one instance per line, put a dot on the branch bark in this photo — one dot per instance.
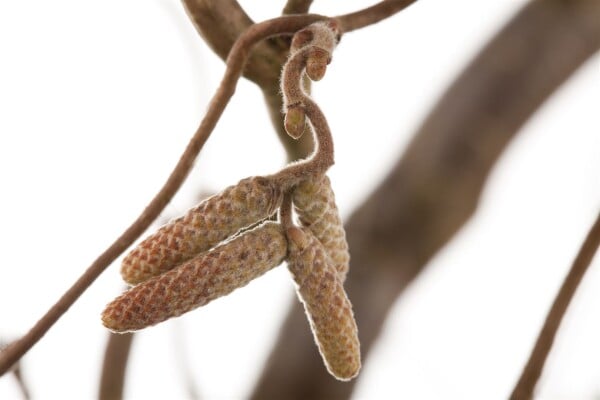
[434, 188]
[533, 369]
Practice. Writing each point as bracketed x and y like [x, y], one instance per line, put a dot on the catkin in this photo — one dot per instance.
[314, 203]
[212, 221]
[198, 281]
[328, 309]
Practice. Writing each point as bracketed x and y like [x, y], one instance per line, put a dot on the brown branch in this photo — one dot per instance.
[533, 369]
[297, 7]
[434, 189]
[372, 15]
[114, 365]
[235, 64]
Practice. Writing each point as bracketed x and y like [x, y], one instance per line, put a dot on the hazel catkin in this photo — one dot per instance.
[327, 307]
[198, 281]
[314, 202]
[212, 221]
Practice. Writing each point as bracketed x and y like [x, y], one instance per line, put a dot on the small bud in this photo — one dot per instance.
[198, 281]
[316, 63]
[212, 221]
[295, 121]
[301, 39]
[328, 309]
[314, 202]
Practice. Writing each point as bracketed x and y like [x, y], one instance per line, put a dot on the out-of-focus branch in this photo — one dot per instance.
[297, 7]
[435, 187]
[372, 15]
[220, 23]
[235, 64]
[114, 365]
[532, 371]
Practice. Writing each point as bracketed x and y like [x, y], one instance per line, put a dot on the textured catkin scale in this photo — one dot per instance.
[328, 309]
[212, 221]
[314, 202]
[198, 281]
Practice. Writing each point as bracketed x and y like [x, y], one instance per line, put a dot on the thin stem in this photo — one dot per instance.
[533, 369]
[116, 355]
[371, 15]
[285, 212]
[235, 63]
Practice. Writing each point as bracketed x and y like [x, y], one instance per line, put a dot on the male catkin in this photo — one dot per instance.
[212, 221]
[198, 281]
[314, 202]
[328, 309]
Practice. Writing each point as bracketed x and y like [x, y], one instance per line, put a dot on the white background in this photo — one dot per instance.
[98, 100]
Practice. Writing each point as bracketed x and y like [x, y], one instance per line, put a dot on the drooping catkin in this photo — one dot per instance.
[212, 221]
[198, 281]
[314, 202]
[328, 309]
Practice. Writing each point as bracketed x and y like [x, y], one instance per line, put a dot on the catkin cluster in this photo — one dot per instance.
[212, 249]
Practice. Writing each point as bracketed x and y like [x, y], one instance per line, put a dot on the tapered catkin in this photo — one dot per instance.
[328, 309]
[314, 203]
[198, 281]
[212, 221]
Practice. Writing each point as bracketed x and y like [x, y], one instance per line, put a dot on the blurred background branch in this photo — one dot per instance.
[535, 365]
[435, 187]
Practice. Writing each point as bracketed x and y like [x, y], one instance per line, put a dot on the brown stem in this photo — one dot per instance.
[235, 64]
[372, 15]
[285, 212]
[114, 365]
[533, 369]
[435, 187]
[297, 7]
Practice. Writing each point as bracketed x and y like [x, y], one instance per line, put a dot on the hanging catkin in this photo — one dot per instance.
[314, 202]
[328, 309]
[198, 281]
[212, 221]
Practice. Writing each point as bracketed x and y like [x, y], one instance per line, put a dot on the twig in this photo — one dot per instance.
[372, 15]
[434, 189]
[297, 6]
[219, 23]
[235, 63]
[17, 372]
[114, 366]
[533, 369]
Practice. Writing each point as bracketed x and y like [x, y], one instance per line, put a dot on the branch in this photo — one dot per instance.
[532, 371]
[435, 187]
[235, 64]
[114, 365]
[297, 7]
[372, 15]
